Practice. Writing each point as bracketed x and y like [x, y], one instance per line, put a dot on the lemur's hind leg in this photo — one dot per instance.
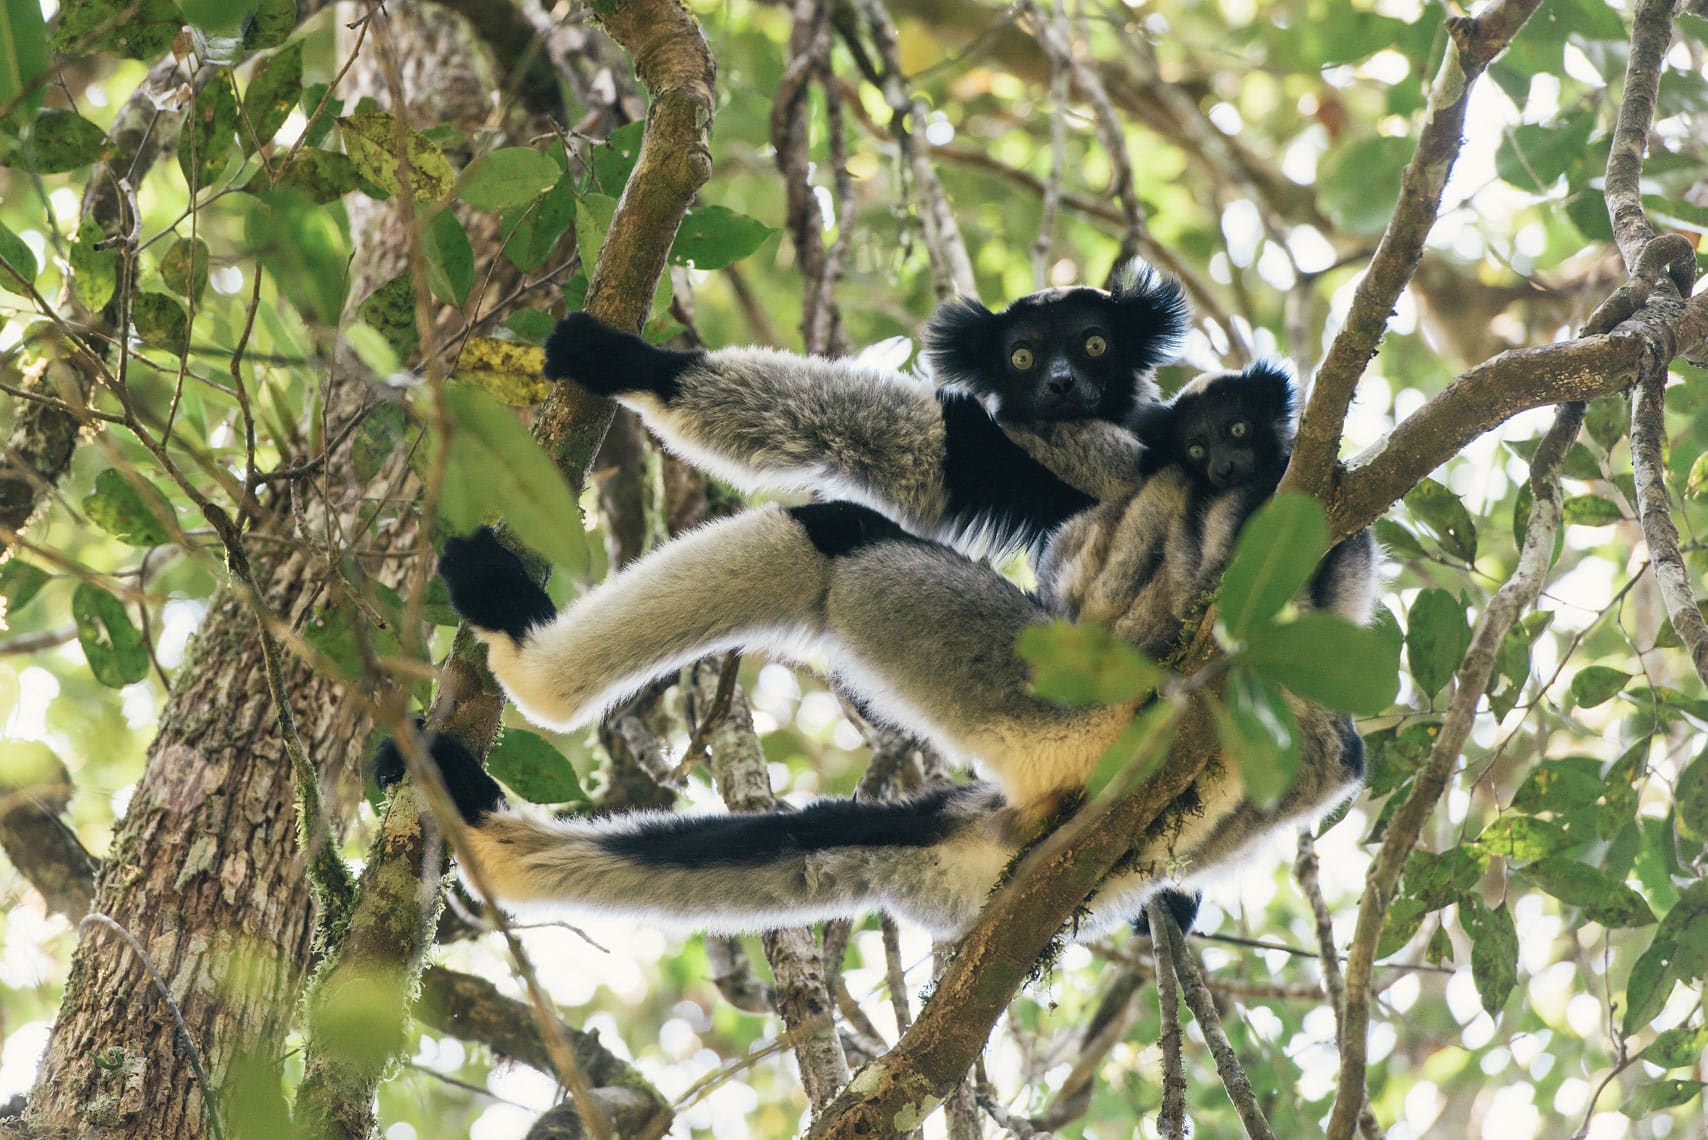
[923, 634]
[928, 636]
[746, 582]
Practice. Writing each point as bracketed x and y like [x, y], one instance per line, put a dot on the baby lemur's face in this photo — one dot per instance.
[1061, 354]
[1225, 429]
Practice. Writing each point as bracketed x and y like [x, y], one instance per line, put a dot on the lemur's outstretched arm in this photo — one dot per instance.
[924, 635]
[765, 420]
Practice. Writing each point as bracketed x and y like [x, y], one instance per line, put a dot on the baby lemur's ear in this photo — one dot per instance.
[962, 344]
[1153, 312]
[1269, 388]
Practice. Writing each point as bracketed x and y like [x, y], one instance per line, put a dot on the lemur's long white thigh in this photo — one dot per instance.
[750, 582]
[924, 635]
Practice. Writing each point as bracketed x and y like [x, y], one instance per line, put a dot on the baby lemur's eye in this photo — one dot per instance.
[1095, 345]
[1237, 429]
[1021, 358]
[1196, 451]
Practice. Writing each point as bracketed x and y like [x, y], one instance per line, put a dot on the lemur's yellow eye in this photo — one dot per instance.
[1196, 451]
[1237, 429]
[1021, 358]
[1096, 346]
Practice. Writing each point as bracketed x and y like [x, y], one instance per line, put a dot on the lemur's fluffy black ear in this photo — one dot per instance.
[960, 339]
[1155, 306]
[1269, 386]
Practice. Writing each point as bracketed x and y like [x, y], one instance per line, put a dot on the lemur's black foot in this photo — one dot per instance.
[490, 588]
[1182, 907]
[610, 362]
[475, 793]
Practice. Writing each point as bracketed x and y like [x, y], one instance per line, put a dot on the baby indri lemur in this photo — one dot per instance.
[920, 633]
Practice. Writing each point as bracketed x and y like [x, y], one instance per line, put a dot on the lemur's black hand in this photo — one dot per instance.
[489, 586]
[610, 362]
[474, 792]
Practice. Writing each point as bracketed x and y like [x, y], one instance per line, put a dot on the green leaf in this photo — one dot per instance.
[20, 582]
[1358, 184]
[1696, 484]
[302, 245]
[17, 263]
[377, 439]
[1678, 1047]
[1494, 951]
[24, 59]
[531, 325]
[1658, 1096]
[496, 470]
[450, 258]
[593, 213]
[1523, 838]
[1439, 952]
[1138, 753]
[713, 237]
[62, 141]
[1437, 635]
[219, 16]
[614, 159]
[532, 232]
[1559, 785]
[1399, 926]
[161, 321]
[390, 310]
[1081, 665]
[1650, 984]
[1607, 420]
[533, 769]
[332, 633]
[1590, 510]
[1275, 555]
[1437, 880]
[1533, 156]
[185, 268]
[1691, 800]
[506, 178]
[371, 141]
[271, 24]
[1261, 734]
[323, 175]
[111, 644]
[134, 29]
[1328, 660]
[1602, 900]
[1597, 684]
[1440, 510]
[94, 272]
[273, 90]
[1397, 540]
[209, 135]
[131, 510]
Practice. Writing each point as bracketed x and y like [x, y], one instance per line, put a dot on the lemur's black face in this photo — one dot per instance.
[1061, 353]
[1229, 429]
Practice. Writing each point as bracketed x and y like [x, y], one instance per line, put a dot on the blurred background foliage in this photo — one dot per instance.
[1559, 885]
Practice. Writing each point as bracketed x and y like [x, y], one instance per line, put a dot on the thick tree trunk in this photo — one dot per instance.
[205, 868]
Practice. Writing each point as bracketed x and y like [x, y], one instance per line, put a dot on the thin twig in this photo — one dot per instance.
[1203, 1007]
[210, 1103]
[1171, 1117]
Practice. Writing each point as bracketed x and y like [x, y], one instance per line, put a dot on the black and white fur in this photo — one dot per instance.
[922, 634]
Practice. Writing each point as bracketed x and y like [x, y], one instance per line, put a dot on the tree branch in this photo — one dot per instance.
[1475, 41]
[1518, 594]
[1019, 923]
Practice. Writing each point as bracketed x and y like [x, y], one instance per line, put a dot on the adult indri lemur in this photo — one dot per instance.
[923, 634]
